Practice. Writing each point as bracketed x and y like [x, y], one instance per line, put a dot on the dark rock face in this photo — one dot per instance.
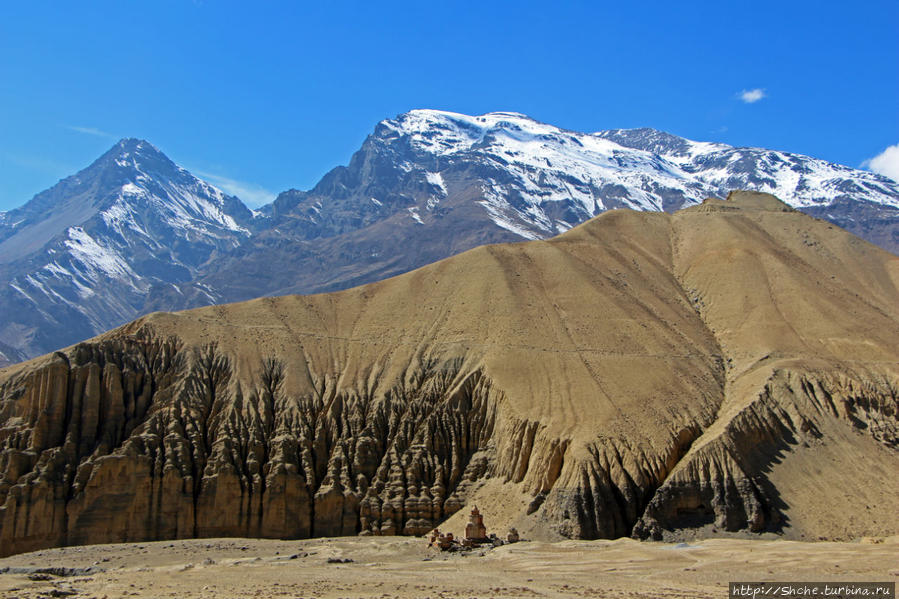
[872, 222]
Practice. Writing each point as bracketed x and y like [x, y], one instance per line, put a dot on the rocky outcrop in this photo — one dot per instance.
[604, 493]
[723, 482]
[139, 439]
[69, 414]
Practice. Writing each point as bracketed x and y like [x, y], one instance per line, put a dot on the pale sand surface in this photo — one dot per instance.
[405, 567]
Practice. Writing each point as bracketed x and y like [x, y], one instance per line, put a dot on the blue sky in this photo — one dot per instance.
[271, 95]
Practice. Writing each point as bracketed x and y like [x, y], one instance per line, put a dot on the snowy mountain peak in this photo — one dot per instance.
[488, 119]
[539, 179]
[134, 144]
[94, 246]
[133, 149]
[131, 155]
[442, 132]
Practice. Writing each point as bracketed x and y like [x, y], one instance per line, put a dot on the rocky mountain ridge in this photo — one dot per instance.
[83, 256]
[643, 374]
[424, 186]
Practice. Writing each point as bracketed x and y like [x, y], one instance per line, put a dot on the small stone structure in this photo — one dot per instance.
[475, 531]
[441, 541]
[475, 536]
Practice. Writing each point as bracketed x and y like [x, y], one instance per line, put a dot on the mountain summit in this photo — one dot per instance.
[83, 256]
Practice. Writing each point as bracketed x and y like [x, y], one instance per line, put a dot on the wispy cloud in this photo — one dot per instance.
[252, 194]
[886, 163]
[39, 164]
[751, 96]
[90, 131]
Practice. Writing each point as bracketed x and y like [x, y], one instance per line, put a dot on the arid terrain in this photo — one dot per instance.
[731, 368]
[405, 567]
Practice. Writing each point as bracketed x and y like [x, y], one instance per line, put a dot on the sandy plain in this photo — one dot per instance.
[381, 567]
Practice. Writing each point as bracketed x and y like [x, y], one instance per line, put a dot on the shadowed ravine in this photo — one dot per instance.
[644, 374]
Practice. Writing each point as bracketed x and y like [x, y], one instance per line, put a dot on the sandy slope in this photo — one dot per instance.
[404, 567]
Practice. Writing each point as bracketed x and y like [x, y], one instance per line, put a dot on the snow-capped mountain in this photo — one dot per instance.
[134, 232]
[83, 256]
[539, 180]
[429, 184]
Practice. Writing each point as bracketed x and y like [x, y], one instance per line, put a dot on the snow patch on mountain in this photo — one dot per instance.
[436, 180]
[503, 214]
[413, 212]
[98, 259]
[121, 217]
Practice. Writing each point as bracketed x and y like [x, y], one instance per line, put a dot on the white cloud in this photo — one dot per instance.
[251, 194]
[90, 131]
[886, 163]
[751, 96]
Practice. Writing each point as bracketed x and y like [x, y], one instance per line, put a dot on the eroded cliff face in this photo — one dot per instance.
[643, 375]
[139, 439]
[714, 476]
[724, 481]
[73, 409]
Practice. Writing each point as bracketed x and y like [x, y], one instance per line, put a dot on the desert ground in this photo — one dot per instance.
[380, 567]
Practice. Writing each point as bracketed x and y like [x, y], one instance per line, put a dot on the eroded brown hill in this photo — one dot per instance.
[734, 366]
